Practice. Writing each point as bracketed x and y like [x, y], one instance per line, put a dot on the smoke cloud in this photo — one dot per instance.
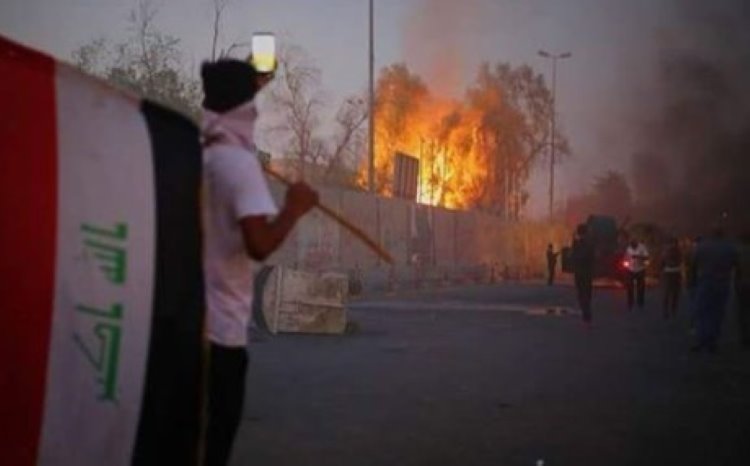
[694, 167]
[436, 40]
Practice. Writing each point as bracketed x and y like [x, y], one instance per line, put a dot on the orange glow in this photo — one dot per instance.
[475, 153]
[445, 138]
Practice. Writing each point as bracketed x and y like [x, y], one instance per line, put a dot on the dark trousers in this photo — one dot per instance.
[226, 392]
[584, 289]
[711, 303]
[551, 274]
[743, 313]
[672, 282]
[636, 281]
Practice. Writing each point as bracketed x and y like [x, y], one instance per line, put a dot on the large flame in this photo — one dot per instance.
[475, 153]
[444, 138]
[442, 134]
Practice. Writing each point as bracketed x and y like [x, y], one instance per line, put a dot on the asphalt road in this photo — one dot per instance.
[489, 376]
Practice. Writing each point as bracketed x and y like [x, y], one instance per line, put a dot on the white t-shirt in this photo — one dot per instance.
[234, 187]
[636, 264]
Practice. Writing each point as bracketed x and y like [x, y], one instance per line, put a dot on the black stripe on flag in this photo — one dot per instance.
[169, 425]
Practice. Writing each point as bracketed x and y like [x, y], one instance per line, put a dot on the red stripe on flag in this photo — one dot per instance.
[28, 208]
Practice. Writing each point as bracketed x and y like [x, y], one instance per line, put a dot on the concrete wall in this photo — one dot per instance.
[428, 244]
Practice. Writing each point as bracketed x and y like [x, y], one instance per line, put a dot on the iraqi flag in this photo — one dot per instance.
[101, 292]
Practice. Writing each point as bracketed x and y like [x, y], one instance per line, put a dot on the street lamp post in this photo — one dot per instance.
[554, 59]
[371, 129]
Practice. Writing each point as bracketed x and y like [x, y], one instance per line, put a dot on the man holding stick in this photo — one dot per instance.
[241, 223]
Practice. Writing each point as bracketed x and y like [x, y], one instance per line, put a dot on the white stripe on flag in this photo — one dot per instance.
[104, 276]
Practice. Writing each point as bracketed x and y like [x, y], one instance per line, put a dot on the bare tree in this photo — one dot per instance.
[216, 51]
[147, 62]
[219, 6]
[92, 57]
[349, 142]
[298, 101]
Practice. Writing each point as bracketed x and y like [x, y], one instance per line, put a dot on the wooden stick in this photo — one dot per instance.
[354, 229]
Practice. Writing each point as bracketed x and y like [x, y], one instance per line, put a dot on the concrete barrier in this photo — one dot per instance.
[296, 301]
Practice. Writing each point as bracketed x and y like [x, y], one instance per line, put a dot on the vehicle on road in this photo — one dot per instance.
[607, 236]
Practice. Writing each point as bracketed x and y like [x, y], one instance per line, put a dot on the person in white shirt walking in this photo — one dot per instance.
[241, 223]
[636, 258]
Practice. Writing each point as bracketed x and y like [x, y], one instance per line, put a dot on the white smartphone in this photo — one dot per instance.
[264, 52]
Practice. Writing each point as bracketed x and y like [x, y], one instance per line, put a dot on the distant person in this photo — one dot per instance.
[715, 258]
[691, 282]
[551, 264]
[742, 287]
[636, 257]
[582, 258]
[672, 278]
